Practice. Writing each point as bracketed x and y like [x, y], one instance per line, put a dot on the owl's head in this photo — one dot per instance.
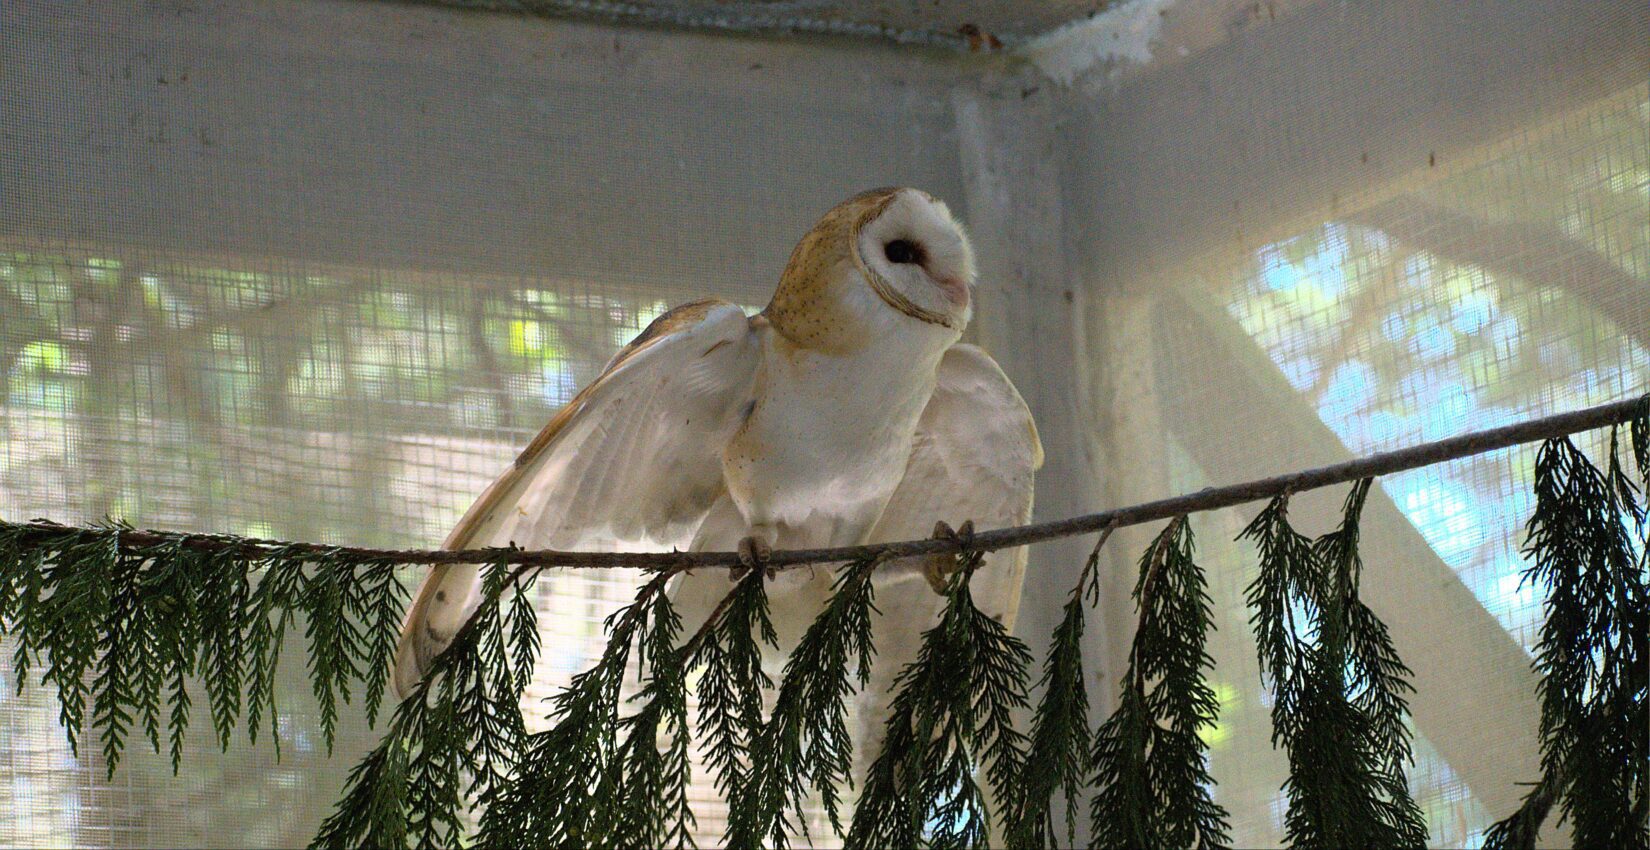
[887, 260]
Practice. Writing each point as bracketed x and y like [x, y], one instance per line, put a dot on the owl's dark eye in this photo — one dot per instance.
[902, 251]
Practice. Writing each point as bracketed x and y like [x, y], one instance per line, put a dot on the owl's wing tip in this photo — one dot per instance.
[406, 671]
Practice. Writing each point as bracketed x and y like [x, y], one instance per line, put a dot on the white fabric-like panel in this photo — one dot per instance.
[387, 134]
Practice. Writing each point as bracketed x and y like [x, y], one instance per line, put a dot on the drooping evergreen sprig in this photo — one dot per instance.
[1058, 755]
[1592, 653]
[1639, 426]
[952, 714]
[1151, 772]
[455, 737]
[551, 797]
[129, 631]
[731, 684]
[641, 792]
[805, 742]
[1338, 686]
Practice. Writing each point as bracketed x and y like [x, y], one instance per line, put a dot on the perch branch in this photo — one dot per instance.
[1211, 498]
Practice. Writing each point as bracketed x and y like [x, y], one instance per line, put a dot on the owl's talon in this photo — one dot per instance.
[753, 554]
[938, 569]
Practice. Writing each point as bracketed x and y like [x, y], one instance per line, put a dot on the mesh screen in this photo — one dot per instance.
[317, 271]
[1484, 296]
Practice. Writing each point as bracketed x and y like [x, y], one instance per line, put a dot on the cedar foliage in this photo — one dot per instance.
[805, 743]
[552, 796]
[124, 631]
[1151, 772]
[462, 722]
[1338, 687]
[952, 715]
[129, 635]
[1592, 655]
[1057, 758]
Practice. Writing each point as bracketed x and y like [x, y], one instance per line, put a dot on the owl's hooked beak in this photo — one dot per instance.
[955, 289]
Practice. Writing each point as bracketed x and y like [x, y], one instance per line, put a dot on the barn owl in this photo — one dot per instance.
[845, 412]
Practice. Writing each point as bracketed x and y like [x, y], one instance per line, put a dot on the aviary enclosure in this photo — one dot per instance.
[316, 270]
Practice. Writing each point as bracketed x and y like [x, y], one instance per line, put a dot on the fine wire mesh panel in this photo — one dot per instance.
[376, 402]
[1406, 324]
[1485, 295]
[366, 409]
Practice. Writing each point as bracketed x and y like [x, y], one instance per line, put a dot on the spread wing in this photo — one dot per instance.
[974, 458]
[635, 456]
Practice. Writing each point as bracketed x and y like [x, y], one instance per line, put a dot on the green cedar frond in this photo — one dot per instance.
[1153, 783]
[550, 797]
[805, 742]
[462, 720]
[491, 683]
[1059, 749]
[225, 594]
[81, 578]
[272, 609]
[1592, 654]
[641, 793]
[115, 697]
[524, 638]
[1625, 493]
[731, 683]
[952, 714]
[330, 664]
[1288, 576]
[1358, 642]
[1338, 686]
[1639, 426]
[379, 612]
[177, 600]
[1123, 807]
[126, 632]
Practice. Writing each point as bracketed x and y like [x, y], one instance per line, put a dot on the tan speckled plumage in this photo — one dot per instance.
[804, 308]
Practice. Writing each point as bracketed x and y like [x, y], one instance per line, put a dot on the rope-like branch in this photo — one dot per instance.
[1212, 498]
